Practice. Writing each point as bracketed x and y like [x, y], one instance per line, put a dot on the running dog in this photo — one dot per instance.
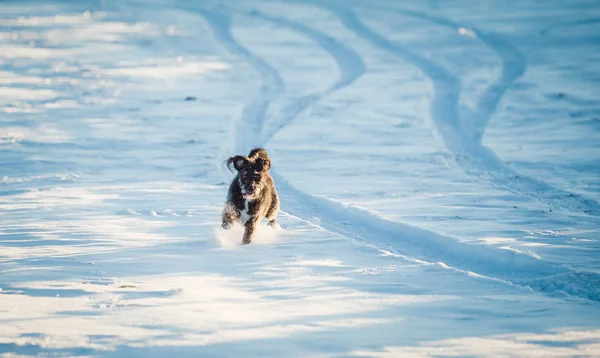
[252, 195]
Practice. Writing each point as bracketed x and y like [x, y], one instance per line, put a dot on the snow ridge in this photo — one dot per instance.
[272, 85]
[349, 63]
[475, 158]
[506, 265]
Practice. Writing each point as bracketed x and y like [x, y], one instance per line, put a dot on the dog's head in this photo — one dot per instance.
[252, 171]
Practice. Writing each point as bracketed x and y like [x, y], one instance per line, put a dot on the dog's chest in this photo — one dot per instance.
[245, 214]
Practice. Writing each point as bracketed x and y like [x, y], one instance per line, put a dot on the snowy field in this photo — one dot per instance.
[438, 164]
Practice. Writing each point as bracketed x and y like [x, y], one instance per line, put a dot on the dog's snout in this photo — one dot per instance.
[251, 181]
[249, 186]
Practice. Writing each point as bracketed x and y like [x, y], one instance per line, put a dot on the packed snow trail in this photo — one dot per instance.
[509, 266]
[514, 65]
[471, 154]
[271, 87]
[349, 63]
[423, 245]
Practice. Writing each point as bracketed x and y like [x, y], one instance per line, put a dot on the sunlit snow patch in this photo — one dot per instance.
[164, 69]
[233, 237]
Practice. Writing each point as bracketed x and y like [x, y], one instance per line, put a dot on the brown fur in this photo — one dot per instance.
[252, 195]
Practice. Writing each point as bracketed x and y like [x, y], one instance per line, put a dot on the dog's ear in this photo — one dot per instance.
[238, 162]
[263, 164]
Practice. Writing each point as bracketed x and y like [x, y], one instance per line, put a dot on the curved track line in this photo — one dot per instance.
[513, 67]
[248, 129]
[472, 156]
[514, 64]
[426, 246]
[444, 106]
[349, 63]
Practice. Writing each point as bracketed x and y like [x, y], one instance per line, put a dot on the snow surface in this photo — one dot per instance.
[438, 165]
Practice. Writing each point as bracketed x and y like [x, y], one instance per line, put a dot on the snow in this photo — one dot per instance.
[437, 165]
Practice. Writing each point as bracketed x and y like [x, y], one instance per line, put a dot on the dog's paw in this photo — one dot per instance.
[274, 225]
[226, 225]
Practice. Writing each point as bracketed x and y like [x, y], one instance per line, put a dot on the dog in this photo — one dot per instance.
[252, 195]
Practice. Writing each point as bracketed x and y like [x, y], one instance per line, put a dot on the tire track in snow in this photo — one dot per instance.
[249, 126]
[349, 63]
[509, 266]
[446, 86]
[470, 153]
[514, 65]
[419, 245]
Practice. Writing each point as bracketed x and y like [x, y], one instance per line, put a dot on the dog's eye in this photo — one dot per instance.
[256, 176]
[259, 165]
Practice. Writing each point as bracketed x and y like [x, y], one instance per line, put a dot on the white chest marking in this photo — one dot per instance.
[244, 214]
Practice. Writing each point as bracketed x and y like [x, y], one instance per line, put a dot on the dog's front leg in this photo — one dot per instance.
[249, 231]
[273, 209]
[230, 215]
